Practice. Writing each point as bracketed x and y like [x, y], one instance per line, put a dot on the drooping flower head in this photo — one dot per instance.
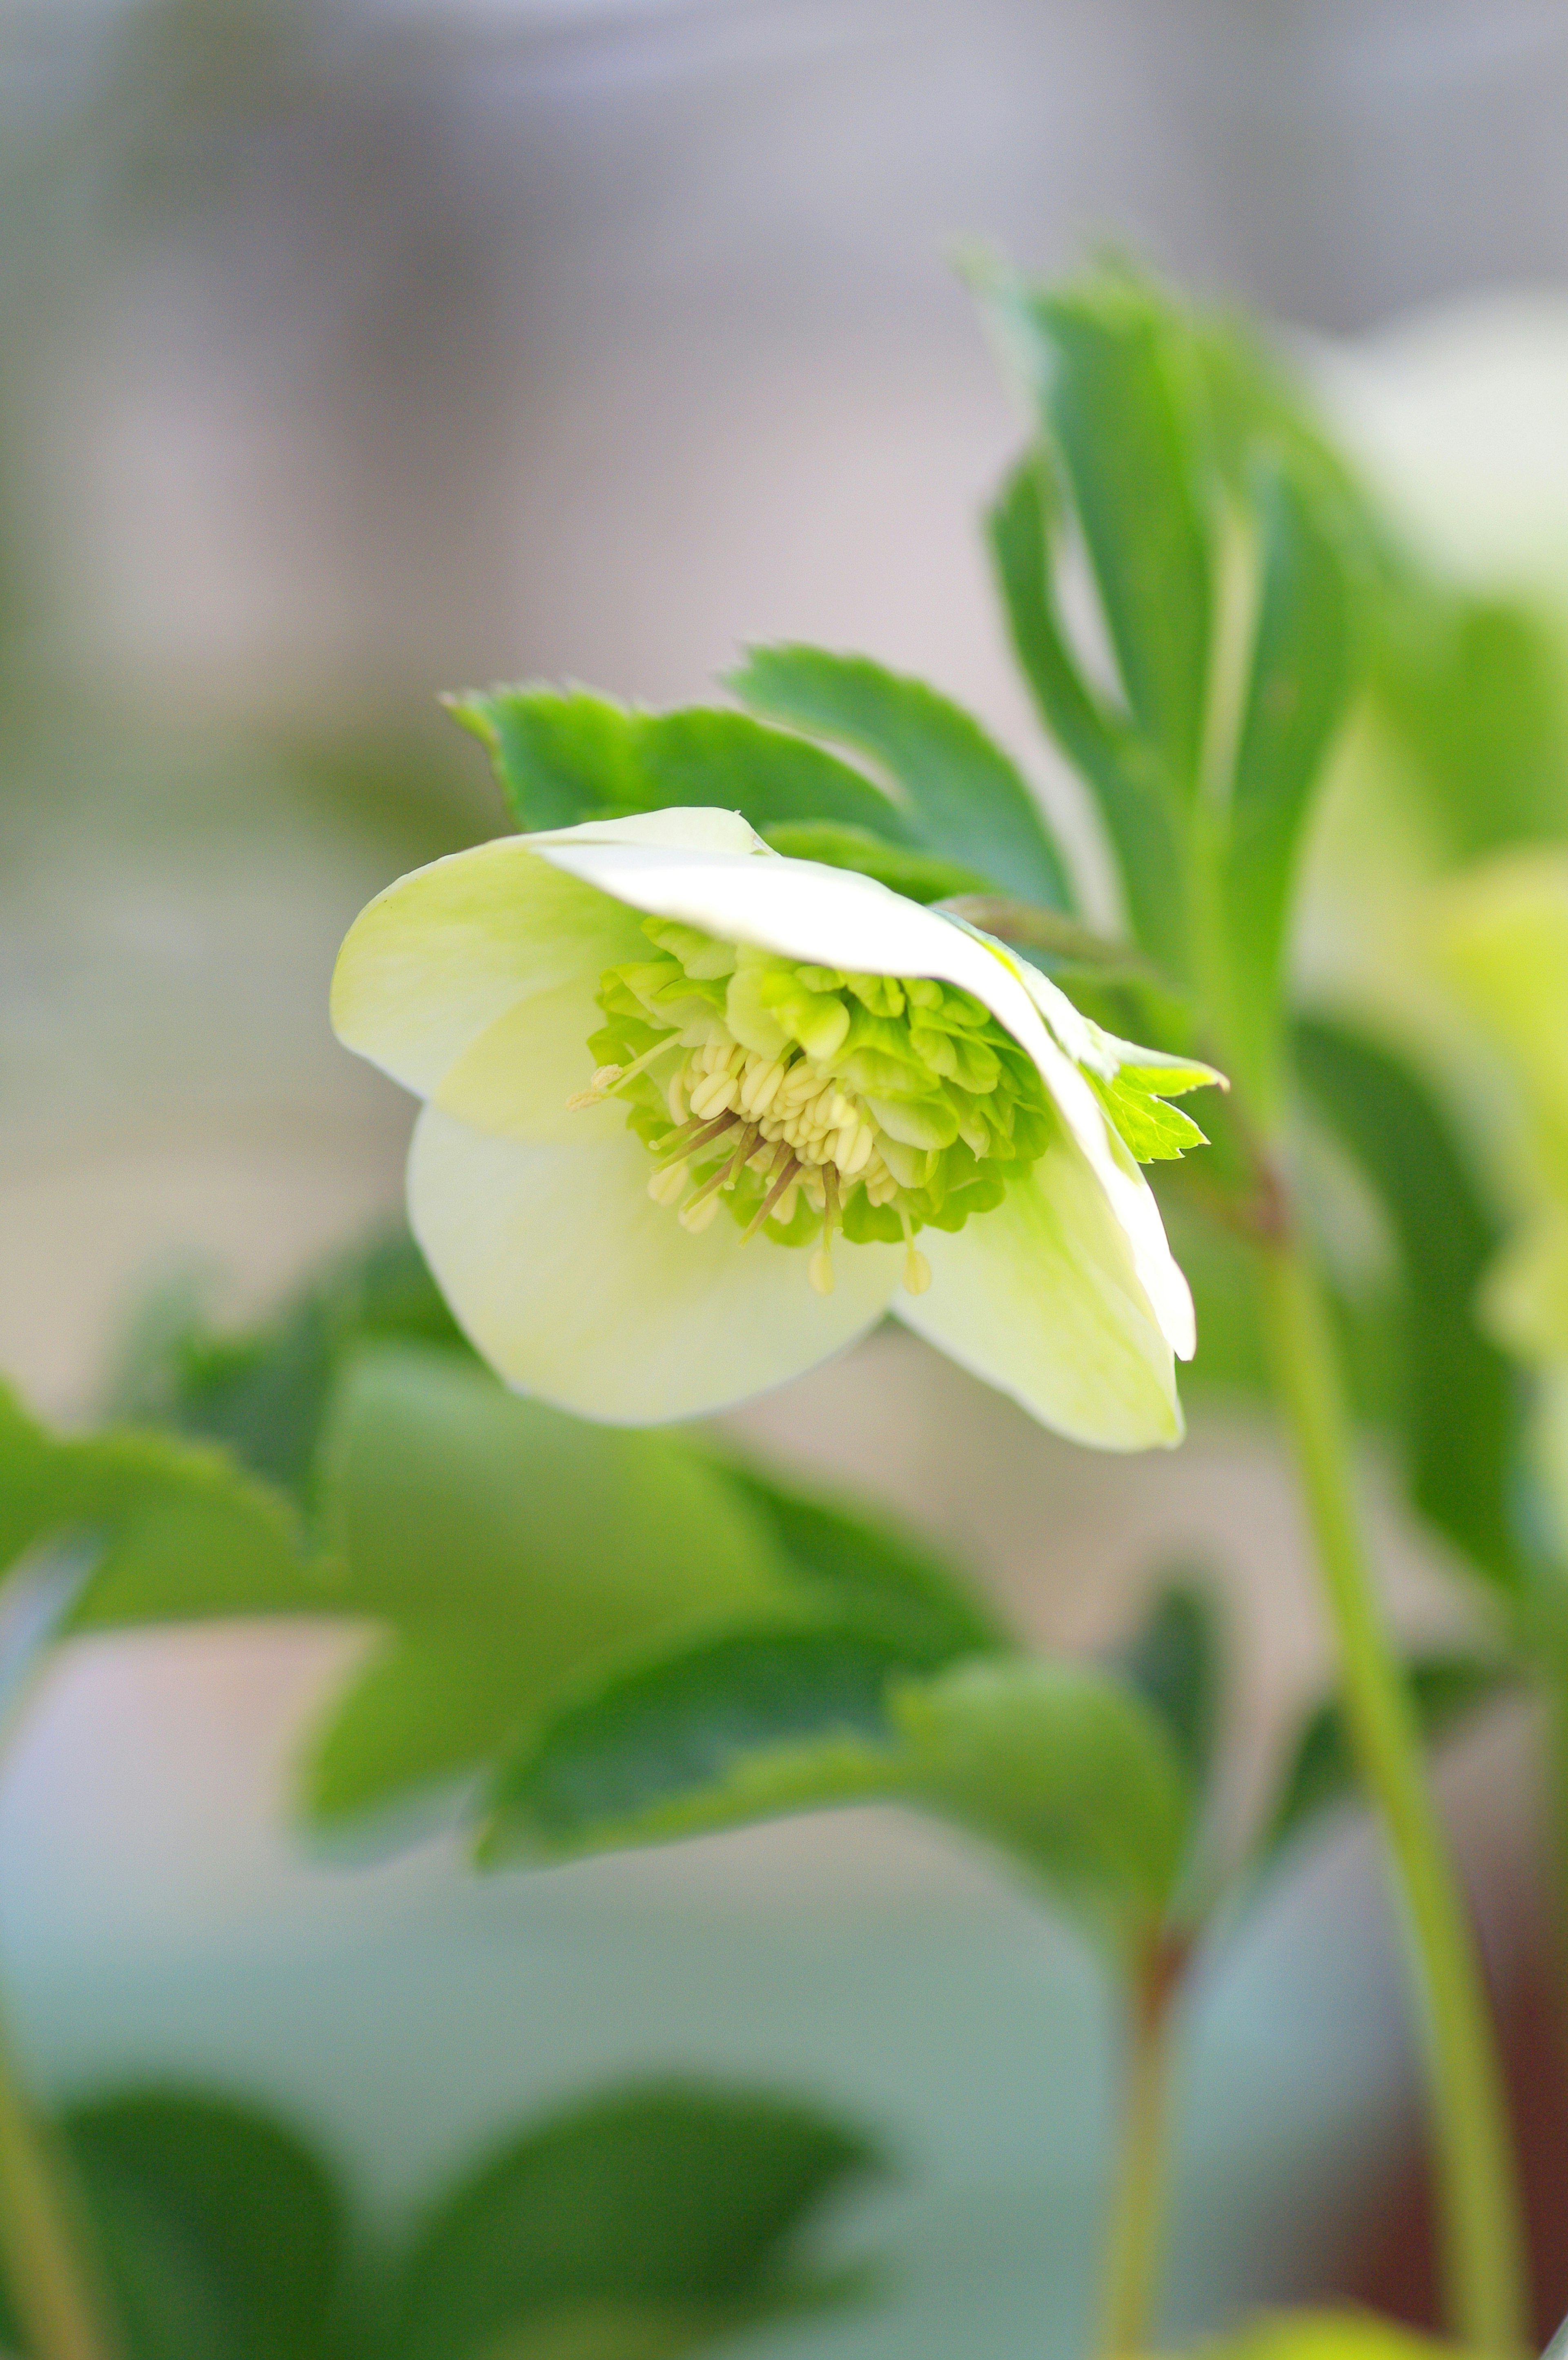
[697, 1114]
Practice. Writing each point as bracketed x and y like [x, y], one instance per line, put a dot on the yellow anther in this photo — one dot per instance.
[821, 1269]
[696, 1216]
[666, 1187]
[917, 1270]
[713, 1095]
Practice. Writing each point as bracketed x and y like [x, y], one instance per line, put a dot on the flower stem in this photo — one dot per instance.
[1136, 2236]
[42, 2247]
[1483, 2249]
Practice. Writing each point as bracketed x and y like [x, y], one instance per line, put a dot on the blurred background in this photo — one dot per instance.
[353, 352]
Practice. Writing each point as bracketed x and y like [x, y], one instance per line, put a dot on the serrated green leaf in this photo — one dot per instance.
[663, 2215]
[1141, 826]
[563, 755]
[919, 876]
[222, 2237]
[1153, 1129]
[966, 800]
[1114, 368]
[1064, 1770]
[1298, 687]
[1461, 1408]
[1321, 1775]
[509, 1546]
[176, 1530]
[1175, 1662]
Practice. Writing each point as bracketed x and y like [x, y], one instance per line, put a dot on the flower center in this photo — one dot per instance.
[807, 1100]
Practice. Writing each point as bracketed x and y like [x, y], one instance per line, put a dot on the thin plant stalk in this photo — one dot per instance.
[1484, 2282]
[42, 2244]
[1135, 2248]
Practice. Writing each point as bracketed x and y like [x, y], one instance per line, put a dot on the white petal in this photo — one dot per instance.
[578, 1288]
[434, 961]
[836, 918]
[1040, 1299]
[688, 827]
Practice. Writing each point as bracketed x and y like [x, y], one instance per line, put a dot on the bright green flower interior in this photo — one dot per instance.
[807, 1100]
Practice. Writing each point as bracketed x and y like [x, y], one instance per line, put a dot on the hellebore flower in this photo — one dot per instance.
[689, 1103]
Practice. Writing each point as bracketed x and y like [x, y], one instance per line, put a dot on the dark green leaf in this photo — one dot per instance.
[966, 800]
[636, 2227]
[1322, 1774]
[1461, 1402]
[510, 1546]
[919, 876]
[1114, 368]
[1176, 1663]
[1138, 819]
[222, 2237]
[863, 1565]
[1064, 1770]
[563, 755]
[1296, 695]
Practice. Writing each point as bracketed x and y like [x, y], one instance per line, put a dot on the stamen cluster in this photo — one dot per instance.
[808, 1099]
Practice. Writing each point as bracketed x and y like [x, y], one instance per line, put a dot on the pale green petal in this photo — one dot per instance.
[579, 1289]
[689, 827]
[440, 956]
[1041, 1299]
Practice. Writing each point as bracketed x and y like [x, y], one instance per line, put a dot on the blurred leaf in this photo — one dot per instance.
[1460, 1408]
[1063, 1769]
[1324, 2335]
[263, 1391]
[880, 1574]
[1176, 1663]
[177, 1532]
[1098, 743]
[1113, 366]
[221, 2236]
[509, 1546]
[919, 876]
[965, 799]
[563, 755]
[1295, 699]
[1322, 1774]
[639, 2225]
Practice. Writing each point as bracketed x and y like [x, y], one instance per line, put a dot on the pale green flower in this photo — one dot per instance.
[689, 1104]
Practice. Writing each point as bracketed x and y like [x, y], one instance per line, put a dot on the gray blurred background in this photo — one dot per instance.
[350, 352]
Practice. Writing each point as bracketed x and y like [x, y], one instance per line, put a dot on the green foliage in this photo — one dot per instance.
[1064, 1770]
[1324, 2335]
[965, 800]
[565, 756]
[923, 877]
[507, 1546]
[163, 1529]
[649, 2220]
[1459, 1407]
[647, 2223]
[1225, 553]
[1320, 1774]
[1175, 1661]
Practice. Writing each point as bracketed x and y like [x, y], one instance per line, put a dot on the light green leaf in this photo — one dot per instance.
[563, 755]
[177, 1532]
[509, 1546]
[966, 800]
[1153, 1129]
[1460, 1411]
[635, 2227]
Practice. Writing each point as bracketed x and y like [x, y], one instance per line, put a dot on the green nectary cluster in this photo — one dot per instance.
[809, 1097]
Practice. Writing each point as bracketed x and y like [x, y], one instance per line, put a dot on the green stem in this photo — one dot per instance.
[40, 2242]
[1483, 2263]
[1136, 2236]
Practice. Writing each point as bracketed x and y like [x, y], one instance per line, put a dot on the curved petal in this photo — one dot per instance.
[836, 918]
[1041, 1297]
[434, 961]
[578, 1288]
